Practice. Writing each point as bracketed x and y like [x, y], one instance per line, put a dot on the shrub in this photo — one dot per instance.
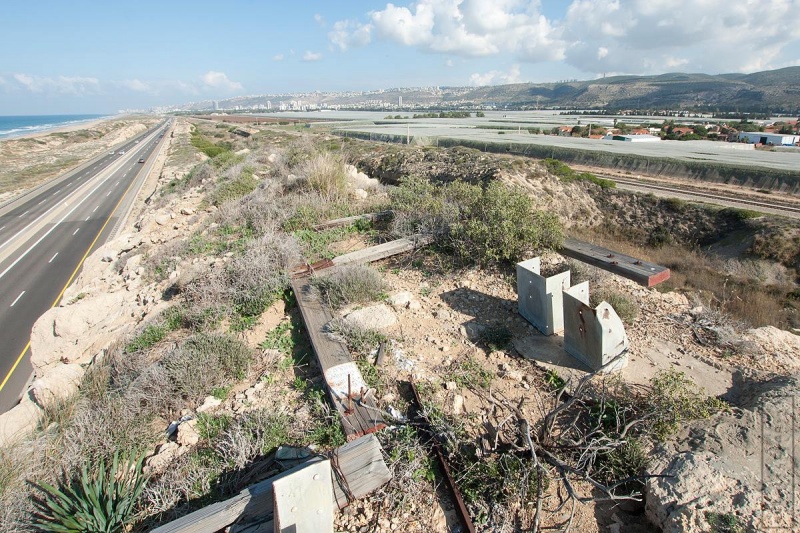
[101, 500]
[626, 308]
[673, 399]
[258, 278]
[203, 363]
[359, 340]
[489, 224]
[349, 284]
[566, 174]
[240, 185]
[324, 173]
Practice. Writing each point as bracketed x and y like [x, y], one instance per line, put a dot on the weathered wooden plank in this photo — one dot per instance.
[642, 272]
[358, 470]
[337, 222]
[358, 412]
[219, 515]
[382, 251]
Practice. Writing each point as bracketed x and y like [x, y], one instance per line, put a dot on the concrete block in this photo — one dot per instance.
[595, 336]
[539, 298]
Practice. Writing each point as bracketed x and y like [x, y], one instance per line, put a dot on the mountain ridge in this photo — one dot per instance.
[771, 91]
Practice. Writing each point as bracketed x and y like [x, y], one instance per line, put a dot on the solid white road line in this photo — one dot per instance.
[76, 231]
[18, 297]
[51, 259]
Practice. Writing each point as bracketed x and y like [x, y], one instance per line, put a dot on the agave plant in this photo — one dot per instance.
[99, 500]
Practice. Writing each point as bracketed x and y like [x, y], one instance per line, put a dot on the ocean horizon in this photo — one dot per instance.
[21, 125]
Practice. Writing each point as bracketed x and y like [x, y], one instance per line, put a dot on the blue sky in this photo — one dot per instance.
[92, 57]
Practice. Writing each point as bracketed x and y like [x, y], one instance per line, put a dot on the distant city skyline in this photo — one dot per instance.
[84, 57]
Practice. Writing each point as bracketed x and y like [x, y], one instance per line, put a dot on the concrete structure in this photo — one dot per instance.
[540, 299]
[593, 336]
[775, 139]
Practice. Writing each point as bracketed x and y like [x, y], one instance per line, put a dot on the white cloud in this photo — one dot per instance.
[319, 19]
[76, 85]
[219, 80]
[136, 85]
[496, 77]
[2, 81]
[348, 34]
[633, 36]
[311, 56]
[277, 57]
[449, 63]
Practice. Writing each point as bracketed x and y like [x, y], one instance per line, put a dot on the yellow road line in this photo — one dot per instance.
[74, 272]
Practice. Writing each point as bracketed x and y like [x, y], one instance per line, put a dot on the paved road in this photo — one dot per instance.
[44, 238]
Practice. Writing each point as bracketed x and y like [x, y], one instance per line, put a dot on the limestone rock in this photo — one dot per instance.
[715, 466]
[58, 383]
[400, 299]
[187, 433]
[360, 194]
[377, 317]
[187, 211]
[208, 404]
[160, 460]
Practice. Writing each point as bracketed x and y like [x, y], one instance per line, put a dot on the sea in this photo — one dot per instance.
[20, 125]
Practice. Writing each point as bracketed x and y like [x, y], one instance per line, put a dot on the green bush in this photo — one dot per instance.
[566, 174]
[101, 500]
[674, 398]
[482, 224]
[235, 188]
[209, 148]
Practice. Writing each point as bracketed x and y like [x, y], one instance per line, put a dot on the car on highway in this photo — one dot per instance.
[141, 160]
[121, 152]
[112, 152]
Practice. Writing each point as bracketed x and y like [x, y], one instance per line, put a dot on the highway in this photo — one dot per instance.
[46, 234]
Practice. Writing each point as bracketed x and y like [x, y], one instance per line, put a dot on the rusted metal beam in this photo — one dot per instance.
[461, 507]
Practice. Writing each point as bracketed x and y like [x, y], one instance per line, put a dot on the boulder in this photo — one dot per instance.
[187, 433]
[58, 383]
[714, 467]
[400, 299]
[376, 317]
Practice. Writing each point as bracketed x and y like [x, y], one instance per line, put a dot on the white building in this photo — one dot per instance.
[774, 139]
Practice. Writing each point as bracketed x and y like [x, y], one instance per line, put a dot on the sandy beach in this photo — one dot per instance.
[32, 159]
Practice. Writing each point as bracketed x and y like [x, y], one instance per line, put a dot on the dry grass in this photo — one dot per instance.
[745, 299]
[349, 284]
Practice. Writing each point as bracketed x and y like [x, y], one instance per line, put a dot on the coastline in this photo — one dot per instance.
[80, 125]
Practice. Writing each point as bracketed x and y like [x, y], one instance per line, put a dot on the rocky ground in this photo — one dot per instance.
[436, 320]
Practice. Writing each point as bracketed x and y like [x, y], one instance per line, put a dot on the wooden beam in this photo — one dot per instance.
[335, 223]
[346, 387]
[359, 470]
[642, 272]
[382, 251]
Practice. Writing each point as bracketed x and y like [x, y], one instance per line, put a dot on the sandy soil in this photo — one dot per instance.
[28, 161]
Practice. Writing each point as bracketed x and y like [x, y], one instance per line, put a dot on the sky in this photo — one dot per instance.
[90, 57]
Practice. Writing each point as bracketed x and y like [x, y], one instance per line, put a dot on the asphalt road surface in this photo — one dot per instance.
[44, 238]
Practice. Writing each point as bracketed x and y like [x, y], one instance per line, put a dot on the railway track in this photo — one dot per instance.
[790, 210]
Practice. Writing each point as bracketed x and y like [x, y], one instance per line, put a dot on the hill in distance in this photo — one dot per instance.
[772, 91]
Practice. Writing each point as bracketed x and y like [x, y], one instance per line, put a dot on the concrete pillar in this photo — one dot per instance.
[539, 298]
[593, 336]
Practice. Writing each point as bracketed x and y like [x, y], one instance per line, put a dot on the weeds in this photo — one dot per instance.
[625, 307]
[359, 340]
[497, 337]
[349, 284]
[469, 373]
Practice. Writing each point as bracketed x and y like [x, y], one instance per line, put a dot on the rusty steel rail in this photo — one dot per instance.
[461, 507]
